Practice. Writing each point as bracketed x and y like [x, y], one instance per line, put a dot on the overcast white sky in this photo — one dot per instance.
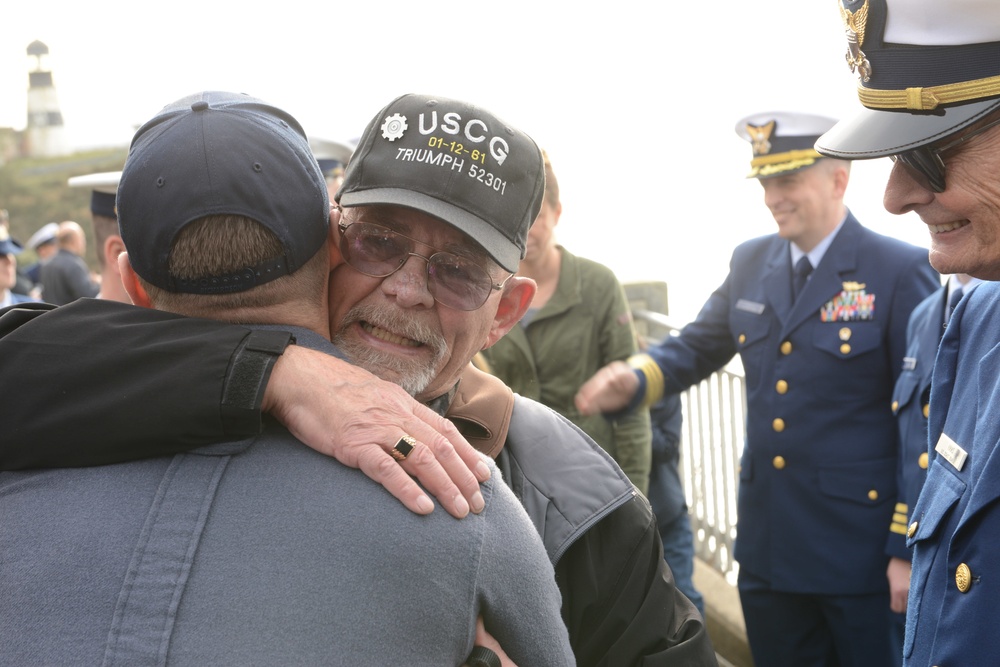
[636, 102]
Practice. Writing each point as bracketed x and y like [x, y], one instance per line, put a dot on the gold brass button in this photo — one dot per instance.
[845, 349]
[963, 578]
[786, 347]
[779, 462]
[922, 461]
[895, 406]
[845, 334]
[781, 387]
[873, 495]
[742, 339]
[778, 425]
[927, 410]
[912, 530]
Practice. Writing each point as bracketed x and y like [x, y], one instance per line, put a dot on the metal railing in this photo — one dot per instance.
[711, 444]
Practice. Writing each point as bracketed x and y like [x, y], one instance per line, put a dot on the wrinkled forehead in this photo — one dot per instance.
[422, 227]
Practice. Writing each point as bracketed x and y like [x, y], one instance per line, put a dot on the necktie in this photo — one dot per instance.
[953, 300]
[800, 275]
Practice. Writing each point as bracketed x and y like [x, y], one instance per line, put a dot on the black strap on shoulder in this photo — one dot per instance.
[246, 379]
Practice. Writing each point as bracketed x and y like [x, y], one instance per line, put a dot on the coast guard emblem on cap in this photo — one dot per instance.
[394, 127]
[759, 137]
[855, 24]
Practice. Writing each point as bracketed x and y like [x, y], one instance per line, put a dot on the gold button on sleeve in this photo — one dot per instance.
[963, 578]
[778, 462]
[922, 461]
[742, 339]
[912, 530]
[927, 410]
[895, 406]
[873, 495]
[845, 349]
[781, 387]
[778, 425]
[786, 347]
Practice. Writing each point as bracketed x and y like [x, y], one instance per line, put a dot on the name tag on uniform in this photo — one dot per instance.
[951, 452]
[749, 306]
[909, 363]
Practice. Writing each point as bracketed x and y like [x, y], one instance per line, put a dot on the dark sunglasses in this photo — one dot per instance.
[925, 164]
[454, 281]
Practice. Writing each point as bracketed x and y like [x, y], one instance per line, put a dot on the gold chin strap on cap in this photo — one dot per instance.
[926, 99]
[654, 377]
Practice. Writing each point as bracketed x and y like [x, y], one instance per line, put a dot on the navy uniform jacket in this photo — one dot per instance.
[911, 404]
[818, 472]
[955, 532]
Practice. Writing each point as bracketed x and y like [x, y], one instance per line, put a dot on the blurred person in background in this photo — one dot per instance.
[579, 321]
[65, 277]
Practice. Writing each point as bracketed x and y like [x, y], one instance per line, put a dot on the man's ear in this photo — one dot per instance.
[514, 303]
[130, 280]
[113, 246]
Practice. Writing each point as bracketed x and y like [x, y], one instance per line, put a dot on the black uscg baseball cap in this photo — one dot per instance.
[926, 70]
[456, 162]
[221, 153]
[782, 141]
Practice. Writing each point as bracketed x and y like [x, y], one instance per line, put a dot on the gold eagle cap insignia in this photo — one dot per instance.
[760, 136]
[854, 24]
[851, 286]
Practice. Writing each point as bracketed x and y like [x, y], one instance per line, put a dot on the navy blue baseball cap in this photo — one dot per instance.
[454, 161]
[219, 153]
[925, 71]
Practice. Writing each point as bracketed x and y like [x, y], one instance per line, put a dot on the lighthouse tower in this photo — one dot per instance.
[45, 133]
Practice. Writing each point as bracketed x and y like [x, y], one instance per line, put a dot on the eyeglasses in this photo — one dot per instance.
[925, 164]
[454, 281]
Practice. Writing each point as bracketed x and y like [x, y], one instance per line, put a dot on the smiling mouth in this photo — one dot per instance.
[951, 226]
[388, 336]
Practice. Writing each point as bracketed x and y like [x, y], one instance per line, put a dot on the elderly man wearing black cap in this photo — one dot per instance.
[436, 206]
[929, 79]
[256, 551]
[818, 314]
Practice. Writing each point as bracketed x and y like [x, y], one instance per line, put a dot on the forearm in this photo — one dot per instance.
[100, 382]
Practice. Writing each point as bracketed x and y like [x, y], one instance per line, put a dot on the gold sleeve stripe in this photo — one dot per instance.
[926, 99]
[654, 377]
[901, 507]
[898, 529]
[899, 518]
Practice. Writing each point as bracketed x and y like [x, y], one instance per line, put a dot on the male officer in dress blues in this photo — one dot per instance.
[930, 85]
[822, 345]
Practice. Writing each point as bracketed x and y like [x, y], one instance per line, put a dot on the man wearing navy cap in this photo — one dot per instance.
[929, 81]
[103, 187]
[818, 314]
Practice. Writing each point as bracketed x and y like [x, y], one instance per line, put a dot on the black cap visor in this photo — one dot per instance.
[879, 133]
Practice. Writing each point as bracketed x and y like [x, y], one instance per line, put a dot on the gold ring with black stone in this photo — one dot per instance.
[403, 448]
